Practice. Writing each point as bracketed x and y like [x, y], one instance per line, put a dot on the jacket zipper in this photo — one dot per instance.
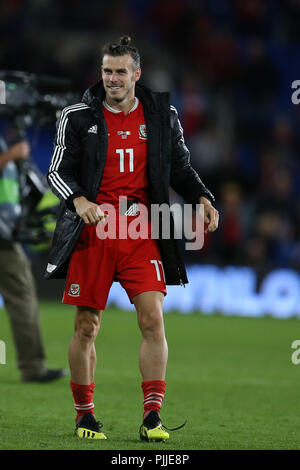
[160, 152]
[180, 279]
[98, 182]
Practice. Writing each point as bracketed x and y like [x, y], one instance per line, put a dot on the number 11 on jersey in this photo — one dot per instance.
[121, 152]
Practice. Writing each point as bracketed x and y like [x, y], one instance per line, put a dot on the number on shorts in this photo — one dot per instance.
[158, 268]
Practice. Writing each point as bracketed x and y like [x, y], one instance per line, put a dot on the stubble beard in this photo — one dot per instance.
[121, 99]
[118, 100]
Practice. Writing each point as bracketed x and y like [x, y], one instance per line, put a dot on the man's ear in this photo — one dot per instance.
[137, 74]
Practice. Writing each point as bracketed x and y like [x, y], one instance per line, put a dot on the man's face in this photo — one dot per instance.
[119, 77]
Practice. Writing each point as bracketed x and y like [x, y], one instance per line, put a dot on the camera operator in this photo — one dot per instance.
[17, 284]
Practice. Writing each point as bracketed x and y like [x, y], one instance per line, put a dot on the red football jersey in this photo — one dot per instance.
[125, 172]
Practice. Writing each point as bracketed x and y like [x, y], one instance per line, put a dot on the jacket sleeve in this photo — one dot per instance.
[184, 179]
[65, 160]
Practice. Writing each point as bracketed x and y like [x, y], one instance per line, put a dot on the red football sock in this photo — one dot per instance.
[154, 392]
[83, 398]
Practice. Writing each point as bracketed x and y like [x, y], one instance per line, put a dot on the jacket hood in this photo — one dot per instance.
[95, 94]
[95, 91]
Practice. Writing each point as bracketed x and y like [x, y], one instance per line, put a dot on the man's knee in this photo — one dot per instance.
[87, 324]
[151, 322]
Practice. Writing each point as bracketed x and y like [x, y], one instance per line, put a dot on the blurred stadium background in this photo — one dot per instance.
[229, 66]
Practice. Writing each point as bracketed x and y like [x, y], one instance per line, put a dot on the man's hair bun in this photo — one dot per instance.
[122, 48]
[125, 40]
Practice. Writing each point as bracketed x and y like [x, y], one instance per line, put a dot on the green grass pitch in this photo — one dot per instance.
[232, 378]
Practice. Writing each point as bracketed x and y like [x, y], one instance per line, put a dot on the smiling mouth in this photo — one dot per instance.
[114, 88]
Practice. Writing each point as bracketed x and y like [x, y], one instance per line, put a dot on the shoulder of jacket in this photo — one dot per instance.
[74, 108]
[173, 109]
[174, 115]
[174, 112]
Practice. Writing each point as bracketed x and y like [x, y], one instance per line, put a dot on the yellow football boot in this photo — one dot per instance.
[152, 429]
[157, 434]
[89, 428]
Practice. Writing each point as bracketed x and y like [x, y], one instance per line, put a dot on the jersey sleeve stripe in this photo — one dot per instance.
[58, 183]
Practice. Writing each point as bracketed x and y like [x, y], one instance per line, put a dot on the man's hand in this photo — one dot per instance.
[88, 211]
[19, 151]
[211, 215]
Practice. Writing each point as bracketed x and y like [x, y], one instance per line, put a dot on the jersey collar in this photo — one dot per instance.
[112, 110]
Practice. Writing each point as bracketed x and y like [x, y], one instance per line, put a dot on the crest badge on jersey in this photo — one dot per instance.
[74, 290]
[142, 132]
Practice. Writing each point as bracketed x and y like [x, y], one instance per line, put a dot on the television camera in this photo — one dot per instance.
[30, 100]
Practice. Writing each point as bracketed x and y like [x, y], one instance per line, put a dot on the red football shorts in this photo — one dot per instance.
[95, 264]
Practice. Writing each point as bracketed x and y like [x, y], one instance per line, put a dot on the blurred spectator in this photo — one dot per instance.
[231, 235]
[254, 252]
[206, 147]
[259, 75]
[252, 16]
[195, 102]
[292, 19]
[17, 284]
